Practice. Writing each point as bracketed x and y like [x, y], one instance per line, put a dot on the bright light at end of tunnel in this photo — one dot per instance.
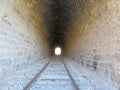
[57, 51]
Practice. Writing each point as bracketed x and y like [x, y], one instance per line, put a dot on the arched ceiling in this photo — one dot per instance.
[56, 17]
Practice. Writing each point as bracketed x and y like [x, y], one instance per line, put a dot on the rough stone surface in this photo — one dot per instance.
[98, 35]
[21, 42]
[93, 39]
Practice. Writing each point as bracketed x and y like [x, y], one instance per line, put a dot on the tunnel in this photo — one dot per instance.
[59, 44]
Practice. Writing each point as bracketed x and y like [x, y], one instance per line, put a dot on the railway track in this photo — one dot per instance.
[71, 78]
[35, 78]
[55, 75]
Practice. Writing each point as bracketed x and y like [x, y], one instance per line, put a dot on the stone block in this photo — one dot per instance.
[5, 62]
[3, 33]
[106, 65]
[4, 46]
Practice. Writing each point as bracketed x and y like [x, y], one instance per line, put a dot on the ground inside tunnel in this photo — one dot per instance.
[84, 33]
[55, 73]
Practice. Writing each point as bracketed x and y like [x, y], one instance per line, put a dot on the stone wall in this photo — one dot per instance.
[22, 42]
[95, 40]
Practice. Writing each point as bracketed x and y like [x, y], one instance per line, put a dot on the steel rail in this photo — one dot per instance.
[71, 78]
[27, 87]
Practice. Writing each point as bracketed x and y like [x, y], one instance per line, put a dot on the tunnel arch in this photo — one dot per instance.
[86, 30]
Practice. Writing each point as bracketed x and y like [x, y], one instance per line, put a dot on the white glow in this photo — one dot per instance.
[57, 51]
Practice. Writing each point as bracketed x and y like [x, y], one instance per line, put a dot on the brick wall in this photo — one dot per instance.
[22, 42]
[95, 40]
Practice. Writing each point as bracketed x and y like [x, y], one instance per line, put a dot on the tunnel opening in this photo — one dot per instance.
[58, 51]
